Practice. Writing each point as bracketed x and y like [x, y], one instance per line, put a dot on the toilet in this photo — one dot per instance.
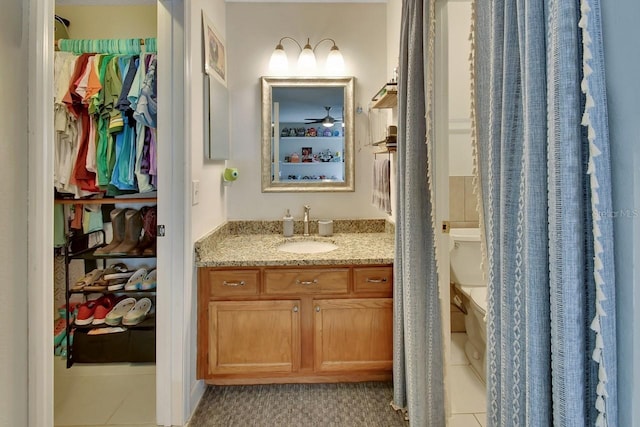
[466, 273]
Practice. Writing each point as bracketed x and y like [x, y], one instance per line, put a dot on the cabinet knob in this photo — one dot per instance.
[306, 282]
[240, 283]
[376, 280]
[317, 308]
[295, 308]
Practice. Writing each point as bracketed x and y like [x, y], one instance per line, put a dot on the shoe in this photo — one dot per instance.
[114, 317]
[132, 230]
[149, 281]
[85, 313]
[117, 222]
[147, 244]
[103, 307]
[98, 284]
[116, 284]
[138, 313]
[117, 271]
[135, 282]
[87, 280]
[59, 331]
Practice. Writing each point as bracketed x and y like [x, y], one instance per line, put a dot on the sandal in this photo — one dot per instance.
[113, 271]
[88, 280]
[117, 271]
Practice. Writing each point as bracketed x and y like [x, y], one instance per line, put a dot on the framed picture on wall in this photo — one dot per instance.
[215, 53]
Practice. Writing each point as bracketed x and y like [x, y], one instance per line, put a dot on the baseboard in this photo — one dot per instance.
[197, 391]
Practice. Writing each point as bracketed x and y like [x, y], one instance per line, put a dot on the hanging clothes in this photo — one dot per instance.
[64, 124]
[105, 115]
[80, 176]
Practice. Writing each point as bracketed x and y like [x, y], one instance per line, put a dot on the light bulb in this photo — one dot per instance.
[307, 60]
[335, 62]
[278, 64]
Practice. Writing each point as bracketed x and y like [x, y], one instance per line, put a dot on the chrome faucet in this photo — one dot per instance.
[305, 220]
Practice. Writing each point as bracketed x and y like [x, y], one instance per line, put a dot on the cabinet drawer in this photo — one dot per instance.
[307, 281]
[373, 279]
[233, 283]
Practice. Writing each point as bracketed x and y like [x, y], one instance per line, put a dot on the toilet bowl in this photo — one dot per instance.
[466, 273]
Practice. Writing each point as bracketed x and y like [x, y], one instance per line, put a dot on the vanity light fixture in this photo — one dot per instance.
[279, 63]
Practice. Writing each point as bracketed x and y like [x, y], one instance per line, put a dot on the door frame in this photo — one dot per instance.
[440, 174]
[171, 368]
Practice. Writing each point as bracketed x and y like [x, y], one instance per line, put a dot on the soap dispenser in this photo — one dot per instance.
[287, 225]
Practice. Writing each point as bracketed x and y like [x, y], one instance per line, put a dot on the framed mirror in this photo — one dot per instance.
[307, 134]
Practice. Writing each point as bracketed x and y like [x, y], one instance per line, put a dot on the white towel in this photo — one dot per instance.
[381, 197]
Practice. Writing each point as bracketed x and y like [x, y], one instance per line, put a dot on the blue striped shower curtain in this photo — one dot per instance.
[417, 361]
[543, 161]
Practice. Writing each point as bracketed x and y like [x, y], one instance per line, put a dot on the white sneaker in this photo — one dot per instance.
[138, 313]
[135, 281]
[149, 281]
[114, 317]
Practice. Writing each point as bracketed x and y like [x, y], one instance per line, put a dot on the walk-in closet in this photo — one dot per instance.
[105, 213]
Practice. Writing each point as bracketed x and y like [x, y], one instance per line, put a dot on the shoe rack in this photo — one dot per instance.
[136, 344]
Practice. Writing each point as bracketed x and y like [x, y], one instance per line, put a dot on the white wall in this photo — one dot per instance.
[394, 18]
[13, 214]
[210, 211]
[253, 30]
[460, 151]
[106, 22]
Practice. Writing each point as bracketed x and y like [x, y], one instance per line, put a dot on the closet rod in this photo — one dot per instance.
[57, 41]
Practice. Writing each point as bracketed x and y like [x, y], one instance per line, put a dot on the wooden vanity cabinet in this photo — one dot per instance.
[303, 324]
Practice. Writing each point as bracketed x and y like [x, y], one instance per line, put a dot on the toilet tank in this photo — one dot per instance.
[465, 256]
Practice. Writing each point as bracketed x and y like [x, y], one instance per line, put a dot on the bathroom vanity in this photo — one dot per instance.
[268, 316]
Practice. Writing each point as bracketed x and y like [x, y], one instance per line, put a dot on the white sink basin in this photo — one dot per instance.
[307, 247]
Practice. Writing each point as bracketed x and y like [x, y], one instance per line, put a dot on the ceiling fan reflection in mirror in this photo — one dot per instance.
[326, 121]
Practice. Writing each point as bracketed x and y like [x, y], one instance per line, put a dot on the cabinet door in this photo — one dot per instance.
[253, 337]
[353, 334]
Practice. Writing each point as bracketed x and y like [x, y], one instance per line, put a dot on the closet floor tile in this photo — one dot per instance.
[139, 402]
[90, 400]
[104, 395]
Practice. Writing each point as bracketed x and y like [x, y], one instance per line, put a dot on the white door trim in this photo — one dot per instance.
[170, 371]
[440, 173]
[40, 213]
[173, 211]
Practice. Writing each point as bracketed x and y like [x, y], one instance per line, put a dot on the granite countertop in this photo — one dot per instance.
[260, 249]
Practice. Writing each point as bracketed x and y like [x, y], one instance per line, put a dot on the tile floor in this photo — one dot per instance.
[124, 395]
[104, 395]
[468, 392]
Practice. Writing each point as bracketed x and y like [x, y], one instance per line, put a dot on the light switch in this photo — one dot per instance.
[195, 192]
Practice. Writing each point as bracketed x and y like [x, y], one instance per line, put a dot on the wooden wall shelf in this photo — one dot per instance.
[387, 97]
